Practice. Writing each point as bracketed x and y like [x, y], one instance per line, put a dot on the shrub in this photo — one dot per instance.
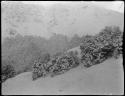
[114, 38]
[88, 48]
[60, 66]
[75, 58]
[57, 65]
[117, 53]
[38, 70]
[65, 63]
[106, 44]
[41, 65]
[7, 72]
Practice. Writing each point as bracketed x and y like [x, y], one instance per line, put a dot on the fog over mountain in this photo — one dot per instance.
[66, 19]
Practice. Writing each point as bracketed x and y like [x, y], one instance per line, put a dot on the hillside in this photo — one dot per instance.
[46, 39]
[105, 78]
[80, 18]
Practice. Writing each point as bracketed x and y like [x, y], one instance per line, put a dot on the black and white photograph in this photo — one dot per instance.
[62, 47]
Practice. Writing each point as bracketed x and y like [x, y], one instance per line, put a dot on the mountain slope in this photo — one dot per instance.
[81, 18]
[105, 78]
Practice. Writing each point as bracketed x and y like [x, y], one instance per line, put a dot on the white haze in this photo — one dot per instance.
[113, 5]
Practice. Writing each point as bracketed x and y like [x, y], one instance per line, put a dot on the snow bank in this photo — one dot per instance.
[104, 78]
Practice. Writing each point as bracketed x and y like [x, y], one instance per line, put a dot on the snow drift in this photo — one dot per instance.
[104, 78]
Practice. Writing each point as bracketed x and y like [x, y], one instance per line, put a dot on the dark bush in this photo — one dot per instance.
[64, 63]
[75, 58]
[7, 72]
[39, 70]
[41, 66]
[106, 44]
[57, 65]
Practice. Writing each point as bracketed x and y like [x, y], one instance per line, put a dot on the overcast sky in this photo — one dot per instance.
[113, 5]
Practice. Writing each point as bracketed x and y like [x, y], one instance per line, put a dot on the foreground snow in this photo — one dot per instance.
[105, 78]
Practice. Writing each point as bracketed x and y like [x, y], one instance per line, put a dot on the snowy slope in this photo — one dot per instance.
[105, 78]
[67, 19]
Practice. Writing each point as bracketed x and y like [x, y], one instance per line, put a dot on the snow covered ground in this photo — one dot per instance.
[104, 78]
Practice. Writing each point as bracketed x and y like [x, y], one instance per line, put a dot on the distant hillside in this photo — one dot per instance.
[66, 19]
